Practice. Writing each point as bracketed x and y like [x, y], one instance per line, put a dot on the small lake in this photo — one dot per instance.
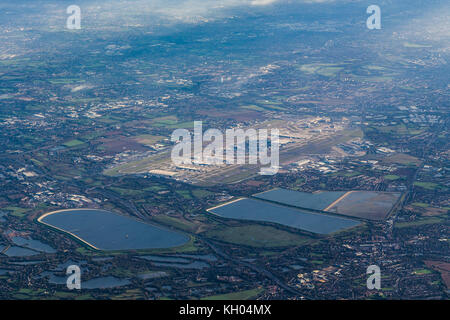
[315, 201]
[95, 283]
[33, 244]
[205, 257]
[20, 252]
[5, 271]
[256, 210]
[105, 230]
[175, 262]
[53, 279]
[104, 283]
[164, 259]
[26, 263]
[64, 265]
[192, 265]
[152, 275]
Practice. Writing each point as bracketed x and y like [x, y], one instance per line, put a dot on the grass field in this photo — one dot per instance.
[155, 188]
[198, 193]
[171, 122]
[427, 185]
[73, 143]
[139, 166]
[185, 194]
[127, 192]
[132, 294]
[401, 158]
[419, 222]
[253, 107]
[177, 223]
[240, 295]
[420, 204]
[391, 177]
[16, 211]
[398, 129]
[421, 271]
[257, 236]
[148, 139]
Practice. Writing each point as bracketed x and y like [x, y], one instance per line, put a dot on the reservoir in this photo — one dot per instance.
[373, 205]
[104, 230]
[315, 201]
[256, 210]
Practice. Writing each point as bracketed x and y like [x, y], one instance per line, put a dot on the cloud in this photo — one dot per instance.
[267, 2]
[262, 2]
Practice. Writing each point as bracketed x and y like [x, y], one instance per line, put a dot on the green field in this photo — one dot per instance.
[185, 194]
[391, 177]
[420, 204]
[427, 185]
[253, 107]
[257, 236]
[132, 294]
[422, 271]
[176, 223]
[419, 222]
[199, 193]
[155, 188]
[240, 295]
[171, 122]
[16, 211]
[73, 143]
[127, 192]
[148, 139]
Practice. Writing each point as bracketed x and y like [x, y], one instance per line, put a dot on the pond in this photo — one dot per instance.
[95, 283]
[104, 283]
[20, 252]
[33, 244]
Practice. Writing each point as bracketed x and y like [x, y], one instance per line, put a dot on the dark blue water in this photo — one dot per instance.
[33, 244]
[152, 275]
[315, 201]
[20, 252]
[53, 279]
[104, 282]
[5, 271]
[164, 259]
[26, 263]
[251, 209]
[192, 265]
[95, 283]
[176, 262]
[205, 257]
[108, 231]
